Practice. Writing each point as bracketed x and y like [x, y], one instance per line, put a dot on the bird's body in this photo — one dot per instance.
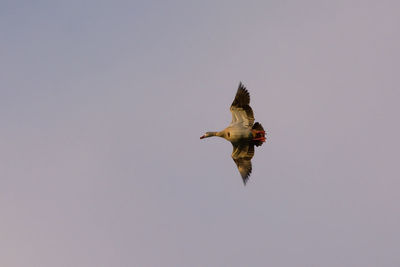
[238, 133]
[243, 133]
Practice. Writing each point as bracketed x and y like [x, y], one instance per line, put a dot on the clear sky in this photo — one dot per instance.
[102, 104]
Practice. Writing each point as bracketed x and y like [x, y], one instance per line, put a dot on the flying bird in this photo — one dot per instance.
[243, 133]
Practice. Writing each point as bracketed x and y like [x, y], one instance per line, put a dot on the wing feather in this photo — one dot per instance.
[242, 155]
[240, 108]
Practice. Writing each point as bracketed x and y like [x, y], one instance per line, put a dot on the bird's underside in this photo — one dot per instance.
[243, 133]
[243, 151]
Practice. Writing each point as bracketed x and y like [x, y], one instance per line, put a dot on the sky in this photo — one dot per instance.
[102, 104]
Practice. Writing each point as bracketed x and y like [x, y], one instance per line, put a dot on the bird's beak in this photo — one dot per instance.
[201, 137]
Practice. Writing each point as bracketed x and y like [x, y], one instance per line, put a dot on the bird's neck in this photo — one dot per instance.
[219, 134]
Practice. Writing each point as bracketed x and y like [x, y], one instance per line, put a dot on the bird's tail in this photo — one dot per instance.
[258, 127]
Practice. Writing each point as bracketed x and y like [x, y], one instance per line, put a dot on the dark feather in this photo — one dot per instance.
[257, 126]
[242, 155]
[242, 97]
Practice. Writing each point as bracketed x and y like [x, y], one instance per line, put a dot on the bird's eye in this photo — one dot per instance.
[229, 134]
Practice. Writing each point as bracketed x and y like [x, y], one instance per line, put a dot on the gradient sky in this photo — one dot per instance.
[102, 104]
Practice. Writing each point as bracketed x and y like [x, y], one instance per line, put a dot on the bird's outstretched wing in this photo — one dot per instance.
[242, 154]
[240, 108]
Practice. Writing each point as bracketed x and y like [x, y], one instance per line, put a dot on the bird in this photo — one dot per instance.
[242, 132]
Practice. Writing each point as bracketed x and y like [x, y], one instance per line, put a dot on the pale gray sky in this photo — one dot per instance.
[102, 104]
